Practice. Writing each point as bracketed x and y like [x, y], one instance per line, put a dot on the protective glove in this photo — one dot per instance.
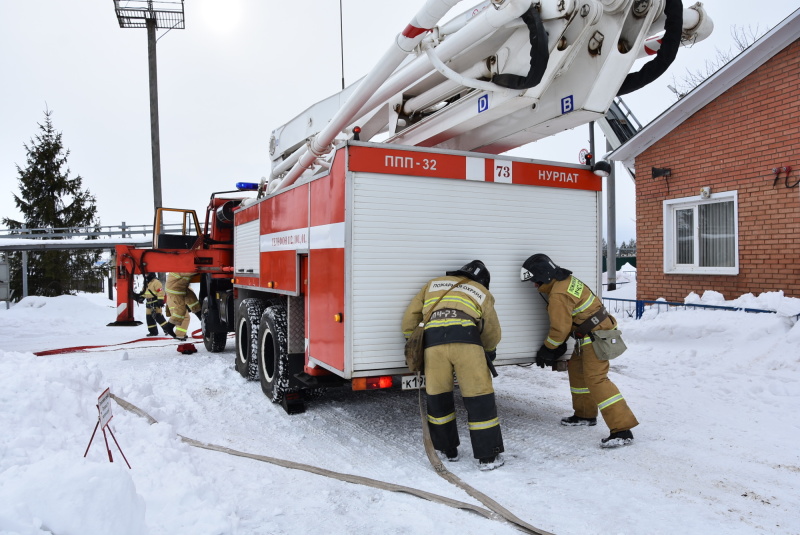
[159, 303]
[560, 350]
[138, 298]
[547, 357]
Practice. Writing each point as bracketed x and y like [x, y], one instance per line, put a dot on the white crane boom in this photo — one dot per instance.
[498, 76]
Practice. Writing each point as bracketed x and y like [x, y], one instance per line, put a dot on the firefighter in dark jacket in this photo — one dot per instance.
[153, 297]
[574, 310]
[462, 336]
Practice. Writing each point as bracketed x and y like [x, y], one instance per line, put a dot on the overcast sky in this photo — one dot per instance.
[239, 70]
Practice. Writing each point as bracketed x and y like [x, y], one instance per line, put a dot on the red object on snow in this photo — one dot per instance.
[187, 349]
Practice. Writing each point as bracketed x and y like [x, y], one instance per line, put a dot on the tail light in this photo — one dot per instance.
[372, 383]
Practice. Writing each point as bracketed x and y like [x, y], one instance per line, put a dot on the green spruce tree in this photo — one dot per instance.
[49, 199]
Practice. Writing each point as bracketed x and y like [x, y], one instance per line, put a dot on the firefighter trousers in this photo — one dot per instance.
[475, 381]
[593, 391]
[154, 318]
[181, 300]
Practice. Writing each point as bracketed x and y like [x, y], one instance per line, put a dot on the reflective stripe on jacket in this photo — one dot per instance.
[153, 292]
[475, 323]
[571, 302]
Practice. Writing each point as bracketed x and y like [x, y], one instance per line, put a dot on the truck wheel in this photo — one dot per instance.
[248, 316]
[273, 360]
[214, 341]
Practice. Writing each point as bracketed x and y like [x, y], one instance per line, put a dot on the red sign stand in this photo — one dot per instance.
[104, 417]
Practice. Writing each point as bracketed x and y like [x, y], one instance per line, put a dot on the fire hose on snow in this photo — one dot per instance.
[439, 468]
[196, 335]
[495, 511]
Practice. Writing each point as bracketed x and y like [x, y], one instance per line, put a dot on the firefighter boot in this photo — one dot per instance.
[616, 439]
[577, 420]
[490, 463]
[169, 329]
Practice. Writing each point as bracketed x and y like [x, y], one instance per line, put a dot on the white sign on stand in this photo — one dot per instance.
[104, 417]
[104, 406]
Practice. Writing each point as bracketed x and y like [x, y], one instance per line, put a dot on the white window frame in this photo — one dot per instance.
[670, 248]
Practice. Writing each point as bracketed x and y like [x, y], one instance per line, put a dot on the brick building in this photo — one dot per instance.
[711, 212]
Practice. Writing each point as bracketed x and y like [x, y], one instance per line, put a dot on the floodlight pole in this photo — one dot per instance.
[155, 141]
[152, 15]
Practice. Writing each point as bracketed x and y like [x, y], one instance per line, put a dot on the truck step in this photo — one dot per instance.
[319, 381]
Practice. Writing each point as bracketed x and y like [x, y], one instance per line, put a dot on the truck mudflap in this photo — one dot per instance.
[294, 402]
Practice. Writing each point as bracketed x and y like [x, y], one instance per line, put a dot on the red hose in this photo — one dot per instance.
[80, 349]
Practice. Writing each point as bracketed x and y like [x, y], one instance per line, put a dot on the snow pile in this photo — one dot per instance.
[50, 320]
[626, 275]
[77, 499]
[714, 453]
[775, 301]
[47, 486]
[49, 409]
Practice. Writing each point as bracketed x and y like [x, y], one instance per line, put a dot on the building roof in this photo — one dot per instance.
[778, 38]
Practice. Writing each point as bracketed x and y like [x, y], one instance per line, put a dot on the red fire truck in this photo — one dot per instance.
[397, 179]
[314, 279]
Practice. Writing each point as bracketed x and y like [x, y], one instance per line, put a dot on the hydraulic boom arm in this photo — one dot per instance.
[498, 76]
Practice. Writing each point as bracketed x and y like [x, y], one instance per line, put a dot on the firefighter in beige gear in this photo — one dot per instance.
[462, 336]
[153, 297]
[575, 310]
[181, 300]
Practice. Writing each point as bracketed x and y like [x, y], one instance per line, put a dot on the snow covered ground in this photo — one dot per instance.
[716, 452]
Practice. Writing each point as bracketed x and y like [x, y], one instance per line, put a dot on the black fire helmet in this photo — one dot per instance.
[540, 269]
[475, 270]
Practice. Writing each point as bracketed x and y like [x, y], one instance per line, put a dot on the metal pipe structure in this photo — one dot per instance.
[426, 18]
[368, 88]
[442, 91]
[321, 143]
[431, 87]
[457, 78]
[697, 25]
[485, 24]
[611, 227]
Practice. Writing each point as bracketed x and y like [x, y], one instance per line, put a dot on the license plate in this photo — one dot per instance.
[411, 382]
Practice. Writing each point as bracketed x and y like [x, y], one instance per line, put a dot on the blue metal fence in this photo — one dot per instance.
[635, 308]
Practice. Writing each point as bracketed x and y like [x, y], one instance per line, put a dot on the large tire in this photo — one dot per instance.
[214, 341]
[273, 359]
[248, 316]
